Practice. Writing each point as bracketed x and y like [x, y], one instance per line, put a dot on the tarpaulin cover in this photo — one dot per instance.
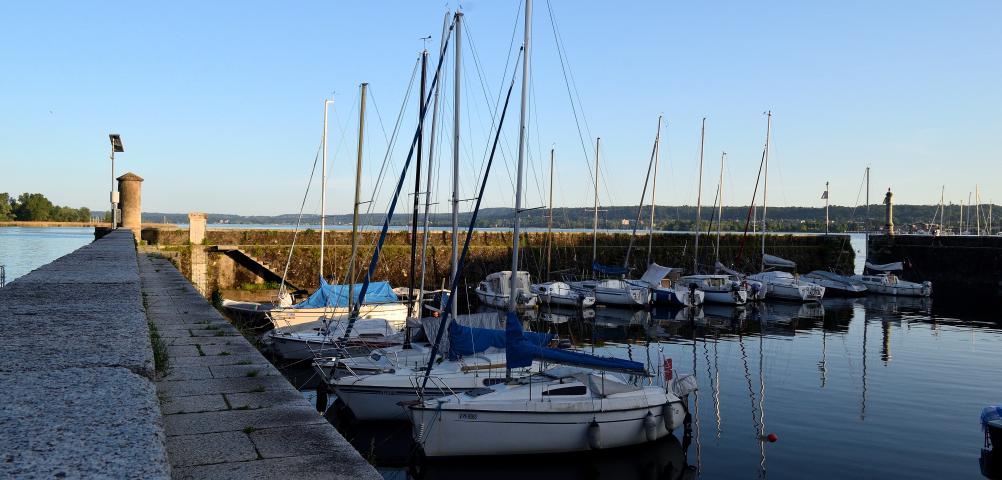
[521, 351]
[990, 413]
[887, 267]
[465, 340]
[337, 295]
[654, 274]
[774, 261]
[608, 269]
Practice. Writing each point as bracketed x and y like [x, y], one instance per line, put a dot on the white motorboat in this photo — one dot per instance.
[835, 284]
[719, 288]
[677, 293]
[495, 290]
[887, 283]
[563, 409]
[560, 293]
[787, 286]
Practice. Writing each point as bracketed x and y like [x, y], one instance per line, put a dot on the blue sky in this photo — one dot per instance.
[220, 104]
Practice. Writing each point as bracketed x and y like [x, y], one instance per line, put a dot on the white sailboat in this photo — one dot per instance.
[780, 284]
[835, 284]
[555, 411]
[496, 290]
[563, 409]
[560, 293]
[785, 285]
[887, 283]
[719, 288]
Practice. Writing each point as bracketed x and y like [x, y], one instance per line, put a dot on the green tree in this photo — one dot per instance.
[33, 207]
[6, 207]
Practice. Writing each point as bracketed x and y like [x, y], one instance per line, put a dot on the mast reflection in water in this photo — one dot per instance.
[910, 412]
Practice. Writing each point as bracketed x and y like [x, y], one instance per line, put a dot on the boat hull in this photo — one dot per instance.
[395, 313]
[898, 290]
[462, 432]
[502, 301]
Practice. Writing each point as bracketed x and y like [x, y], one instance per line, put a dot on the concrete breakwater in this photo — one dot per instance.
[963, 267]
[490, 251]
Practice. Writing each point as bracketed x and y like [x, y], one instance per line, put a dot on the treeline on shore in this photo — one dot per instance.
[667, 218]
[34, 207]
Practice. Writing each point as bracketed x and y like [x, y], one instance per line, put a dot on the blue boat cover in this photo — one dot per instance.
[465, 340]
[608, 269]
[337, 295]
[990, 413]
[521, 351]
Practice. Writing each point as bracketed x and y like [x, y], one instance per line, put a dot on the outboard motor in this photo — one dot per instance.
[991, 454]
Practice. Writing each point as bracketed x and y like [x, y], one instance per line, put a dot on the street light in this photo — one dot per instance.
[116, 146]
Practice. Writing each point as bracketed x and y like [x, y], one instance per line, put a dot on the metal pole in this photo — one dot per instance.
[826, 208]
[765, 185]
[867, 196]
[513, 296]
[455, 155]
[431, 161]
[358, 198]
[977, 207]
[699, 199]
[549, 222]
[417, 190]
[594, 227]
[323, 188]
[114, 201]
[654, 190]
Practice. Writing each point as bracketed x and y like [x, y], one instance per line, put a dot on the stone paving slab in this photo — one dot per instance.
[307, 467]
[228, 412]
[77, 398]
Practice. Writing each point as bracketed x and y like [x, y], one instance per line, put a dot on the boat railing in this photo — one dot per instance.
[440, 385]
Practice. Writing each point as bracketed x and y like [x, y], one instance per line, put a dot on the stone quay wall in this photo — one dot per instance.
[490, 251]
[963, 267]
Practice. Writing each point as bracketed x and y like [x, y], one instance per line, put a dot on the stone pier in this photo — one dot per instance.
[80, 396]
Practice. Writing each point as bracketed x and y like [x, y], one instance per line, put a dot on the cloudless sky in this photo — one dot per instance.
[220, 104]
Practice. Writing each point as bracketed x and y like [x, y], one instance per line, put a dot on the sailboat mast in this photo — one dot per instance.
[942, 207]
[977, 206]
[594, 224]
[549, 222]
[699, 198]
[323, 187]
[417, 186]
[455, 153]
[431, 161]
[358, 197]
[654, 190]
[867, 197]
[720, 205]
[826, 208]
[513, 295]
[765, 183]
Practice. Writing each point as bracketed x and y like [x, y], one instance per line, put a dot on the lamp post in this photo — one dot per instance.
[116, 146]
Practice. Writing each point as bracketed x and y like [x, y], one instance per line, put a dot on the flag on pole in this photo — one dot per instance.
[824, 196]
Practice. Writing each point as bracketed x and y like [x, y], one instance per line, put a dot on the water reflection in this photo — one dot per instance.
[847, 386]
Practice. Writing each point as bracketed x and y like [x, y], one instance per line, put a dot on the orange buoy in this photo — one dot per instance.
[771, 437]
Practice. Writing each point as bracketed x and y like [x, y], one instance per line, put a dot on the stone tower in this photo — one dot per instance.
[130, 187]
[889, 215]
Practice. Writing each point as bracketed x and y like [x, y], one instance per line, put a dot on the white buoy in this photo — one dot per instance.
[594, 436]
[650, 427]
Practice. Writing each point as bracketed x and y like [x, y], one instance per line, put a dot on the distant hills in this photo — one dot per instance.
[680, 218]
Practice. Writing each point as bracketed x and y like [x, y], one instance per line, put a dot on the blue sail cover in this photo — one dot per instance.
[521, 351]
[608, 269]
[465, 340]
[337, 295]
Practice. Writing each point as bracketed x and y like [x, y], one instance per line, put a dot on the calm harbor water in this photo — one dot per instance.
[25, 249]
[874, 387]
